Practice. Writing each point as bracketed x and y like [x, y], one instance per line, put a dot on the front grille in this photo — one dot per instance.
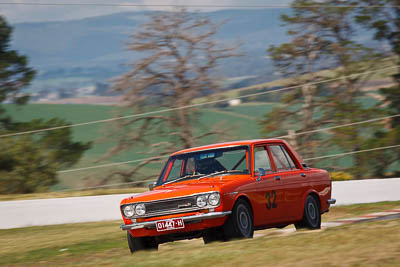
[171, 205]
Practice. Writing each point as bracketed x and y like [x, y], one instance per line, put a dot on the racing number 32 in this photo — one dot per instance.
[271, 199]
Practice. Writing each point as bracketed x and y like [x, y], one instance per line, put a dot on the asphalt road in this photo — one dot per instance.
[23, 213]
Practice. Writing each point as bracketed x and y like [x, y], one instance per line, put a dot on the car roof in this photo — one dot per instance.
[227, 144]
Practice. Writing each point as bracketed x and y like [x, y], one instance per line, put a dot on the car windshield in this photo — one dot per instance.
[205, 163]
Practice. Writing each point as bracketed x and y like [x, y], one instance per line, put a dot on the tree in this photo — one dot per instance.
[29, 163]
[322, 38]
[14, 72]
[58, 145]
[25, 167]
[178, 64]
[384, 20]
[302, 58]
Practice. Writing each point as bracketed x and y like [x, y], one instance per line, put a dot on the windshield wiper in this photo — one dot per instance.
[183, 178]
[219, 172]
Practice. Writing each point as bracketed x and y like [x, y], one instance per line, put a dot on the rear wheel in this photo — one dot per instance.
[240, 222]
[311, 215]
[141, 243]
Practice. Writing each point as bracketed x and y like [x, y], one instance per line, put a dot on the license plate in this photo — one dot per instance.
[170, 224]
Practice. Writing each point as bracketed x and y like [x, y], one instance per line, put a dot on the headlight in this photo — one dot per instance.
[201, 201]
[129, 211]
[213, 199]
[140, 209]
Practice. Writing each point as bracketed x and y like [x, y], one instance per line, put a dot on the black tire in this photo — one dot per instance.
[213, 235]
[240, 222]
[141, 243]
[311, 215]
[299, 225]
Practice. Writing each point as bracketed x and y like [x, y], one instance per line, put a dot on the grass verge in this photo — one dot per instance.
[102, 243]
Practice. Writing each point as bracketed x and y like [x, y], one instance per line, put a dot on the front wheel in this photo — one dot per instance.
[141, 243]
[240, 222]
[213, 235]
[311, 215]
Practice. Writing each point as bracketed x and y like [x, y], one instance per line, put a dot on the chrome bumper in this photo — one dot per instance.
[331, 201]
[199, 217]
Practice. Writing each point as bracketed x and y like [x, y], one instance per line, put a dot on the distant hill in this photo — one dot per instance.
[78, 57]
[80, 53]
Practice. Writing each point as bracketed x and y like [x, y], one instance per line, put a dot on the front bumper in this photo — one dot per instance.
[192, 218]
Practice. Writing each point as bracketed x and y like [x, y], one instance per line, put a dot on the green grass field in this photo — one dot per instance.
[102, 243]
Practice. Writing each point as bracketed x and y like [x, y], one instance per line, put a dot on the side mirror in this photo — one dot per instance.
[152, 185]
[261, 172]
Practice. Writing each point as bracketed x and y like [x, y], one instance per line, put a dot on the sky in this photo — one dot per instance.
[38, 13]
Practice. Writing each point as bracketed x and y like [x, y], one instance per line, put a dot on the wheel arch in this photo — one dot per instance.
[232, 227]
[314, 194]
[245, 198]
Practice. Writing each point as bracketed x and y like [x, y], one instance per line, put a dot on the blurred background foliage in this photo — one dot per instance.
[323, 42]
[324, 37]
[29, 163]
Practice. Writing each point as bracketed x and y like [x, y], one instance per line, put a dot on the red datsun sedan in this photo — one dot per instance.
[226, 191]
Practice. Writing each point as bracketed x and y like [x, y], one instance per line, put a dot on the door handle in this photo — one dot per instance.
[303, 174]
[277, 177]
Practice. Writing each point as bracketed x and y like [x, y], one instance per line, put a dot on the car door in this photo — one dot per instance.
[293, 181]
[265, 190]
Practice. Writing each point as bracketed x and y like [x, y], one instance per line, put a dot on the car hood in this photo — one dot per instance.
[184, 188]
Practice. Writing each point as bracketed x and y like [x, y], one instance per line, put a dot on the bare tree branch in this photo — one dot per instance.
[180, 55]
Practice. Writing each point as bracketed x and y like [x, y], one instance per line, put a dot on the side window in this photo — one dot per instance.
[261, 159]
[282, 159]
